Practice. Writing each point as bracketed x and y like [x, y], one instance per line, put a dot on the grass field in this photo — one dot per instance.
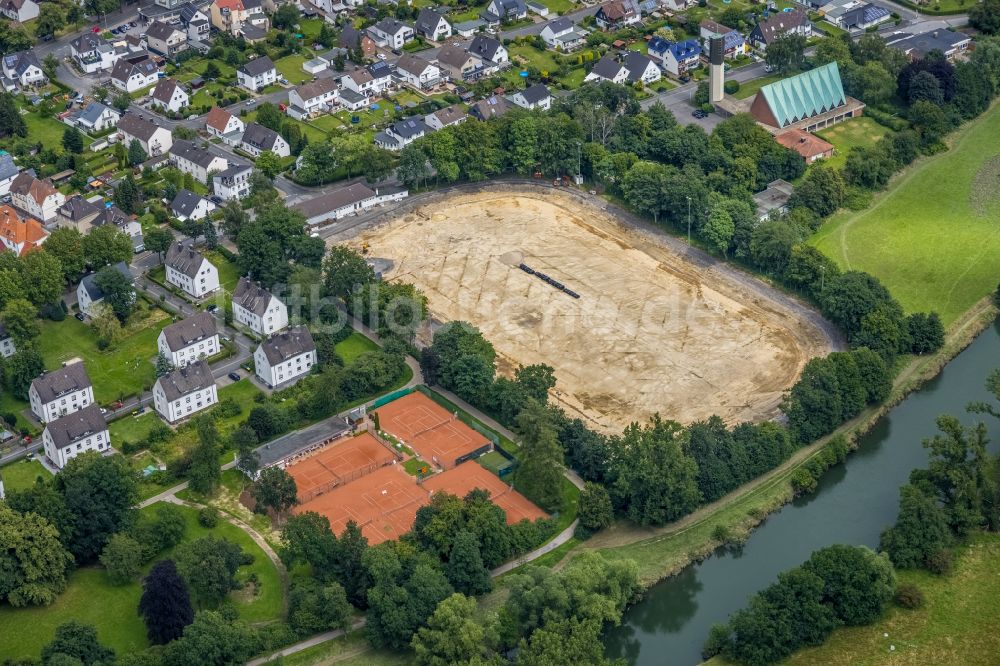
[112, 609]
[750, 88]
[229, 273]
[849, 134]
[132, 428]
[350, 650]
[545, 61]
[933, 237]
[122, 370]
[22, 474]
[12, 405]
[290, 67]
[353, 347]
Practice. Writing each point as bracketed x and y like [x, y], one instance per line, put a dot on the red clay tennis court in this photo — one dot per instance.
[383, 503]
[429, 429]
[470, 475]
[338, 464]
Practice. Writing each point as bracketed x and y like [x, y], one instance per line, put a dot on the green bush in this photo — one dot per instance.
[803, 482]
[208, 517]
[940, 562]
[731, 87]
[909, 596]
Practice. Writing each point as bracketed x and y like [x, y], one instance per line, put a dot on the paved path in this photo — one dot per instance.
[312, 641]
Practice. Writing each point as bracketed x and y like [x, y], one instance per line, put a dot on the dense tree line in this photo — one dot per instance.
[837, 586]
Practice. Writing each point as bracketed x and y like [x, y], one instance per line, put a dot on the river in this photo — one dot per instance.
[853, 504]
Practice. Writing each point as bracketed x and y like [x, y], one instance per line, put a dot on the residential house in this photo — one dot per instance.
[67, 437]
[417, 72]
[8, 172]
[258, 309]
[854, 14]
[489, 49]
[95, 118]
[131, 75]
[353, 101]
[469, 28]
[166, 39]
[225, 125]
[682, 57]
[190, 271]
[536, 96]
[230, 15]
[504, 11]
[383, 76]
[359, 81]
[402, 133]
[537, 8]
[232, 183]
[617, 14]
[154, 140]
[773, 200]
[449, 115]
[113, 215]
[189, 340]
[352, 38]
[194, 159]
[23, 67]
[93, 53]
[19, 10]
[641, 68]
[781, 23]
[257, 139]
[190, 206]
[78, 213]
[89, 294]
[809, 146]
[337, 204]
[257, 74]
[61, 391]
[185, 391]
[564, 35]
[457, 63]
[7, 348]
[196, 22]
[18, 235]
[608, 69]
[285, 357]
[491, 107]
[169, 95]
[948, 42]
[314, 98]
[431, 24]
[391, 33]
[733, 43]
[38, 198]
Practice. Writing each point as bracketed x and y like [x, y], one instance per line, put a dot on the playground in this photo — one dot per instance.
[648, 328]
[435, 434]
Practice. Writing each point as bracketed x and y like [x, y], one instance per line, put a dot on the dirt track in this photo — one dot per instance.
[654, 330]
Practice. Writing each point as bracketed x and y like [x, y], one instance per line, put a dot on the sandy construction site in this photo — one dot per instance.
[651, 331]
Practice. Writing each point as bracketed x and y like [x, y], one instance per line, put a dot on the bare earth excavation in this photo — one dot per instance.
[655, 328]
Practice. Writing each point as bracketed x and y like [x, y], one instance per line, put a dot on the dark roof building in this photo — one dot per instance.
[283, 346]
[184, 333]
[260, 137]
[94, 291]
[61, 381]
[249, 295]
[183, 259]
[182, 381]
[68, 430]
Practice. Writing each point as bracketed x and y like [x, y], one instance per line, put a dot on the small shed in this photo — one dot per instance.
[314, 66]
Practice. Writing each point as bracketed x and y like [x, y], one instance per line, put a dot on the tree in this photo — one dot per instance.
[205, 474]
[33, 562]
[413, 165]
[925, 331]
[718, 230]
[20, 319]
[956, 475]
[539, 475]
[985, 16]
[702, 96]
[211, 71]
[270, 116]
[158, 240]
[452, 634]
[349, 567]
[66, 245]
[345, 271]
[105, 323]
[11, 122]
[20, 370]
[165, 604]
[313, 607]
[822, 191]
[465, 569]
[122, 558]
[42, 276]
[122, 101]
[570, 641]
[245, 441]
[786, 53]
[274, 489]
[920, 530]
[163, 365]
[127, 195]
[136, 154]
[209, 566]
[595, 512]
[213, 639]
[50, 18]
[78, 640]
[287, 17]
[857, 583]
[268, 163]
[925, 87]
[72, 140]
[119, 294]
[100, 492]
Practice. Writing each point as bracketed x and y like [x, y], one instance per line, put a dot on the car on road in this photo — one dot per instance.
[235, 376]
[381, 56]
[252, 102]
[80, 316]
[103, 410]
[685, 79]
[212, 308]
[215, 198]
[140, 410]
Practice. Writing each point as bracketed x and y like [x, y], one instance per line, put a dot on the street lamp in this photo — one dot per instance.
[579, 159]
[689, 220]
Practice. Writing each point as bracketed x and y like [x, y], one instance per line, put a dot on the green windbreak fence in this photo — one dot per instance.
[395, 395]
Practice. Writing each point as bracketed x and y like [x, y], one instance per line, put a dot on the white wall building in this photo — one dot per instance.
[60, 392]
[39, 198]
[185, 391]
[233, 183]
[153, 139]
[169, 95]
[196, 160]
[258, 309]
[256, 74]
[190, 271]
[76, 433]
[285, 357]
[189, 340]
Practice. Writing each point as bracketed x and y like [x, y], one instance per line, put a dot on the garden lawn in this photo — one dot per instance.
[21, 475]
[558, 6]
[120, 371]
[750, 88]
[849, 134]
[48, 131]
[11, 405]
[353, 347]
[229, 273]
[132, 428]
[933, 237]
[544, 61]
[350, 650]
[290, 67]
[310, 28]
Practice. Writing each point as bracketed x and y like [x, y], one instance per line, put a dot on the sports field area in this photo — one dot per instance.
[934, 237]
[434, 433]
[652, 331]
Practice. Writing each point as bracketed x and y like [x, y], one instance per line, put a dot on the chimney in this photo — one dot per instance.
[717, 72]
[935, 34]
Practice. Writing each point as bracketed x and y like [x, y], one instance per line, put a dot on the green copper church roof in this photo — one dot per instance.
[805, 95]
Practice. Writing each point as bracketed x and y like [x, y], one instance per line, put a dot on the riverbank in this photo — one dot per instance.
[665, 551]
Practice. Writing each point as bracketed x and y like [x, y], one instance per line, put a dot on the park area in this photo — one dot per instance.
[853, 133]
[651, 331]
[933, 237]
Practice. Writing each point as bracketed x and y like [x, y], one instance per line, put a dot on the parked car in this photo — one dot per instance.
[235, 376]
[80, 316]
[215, 199]
[212, 308]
